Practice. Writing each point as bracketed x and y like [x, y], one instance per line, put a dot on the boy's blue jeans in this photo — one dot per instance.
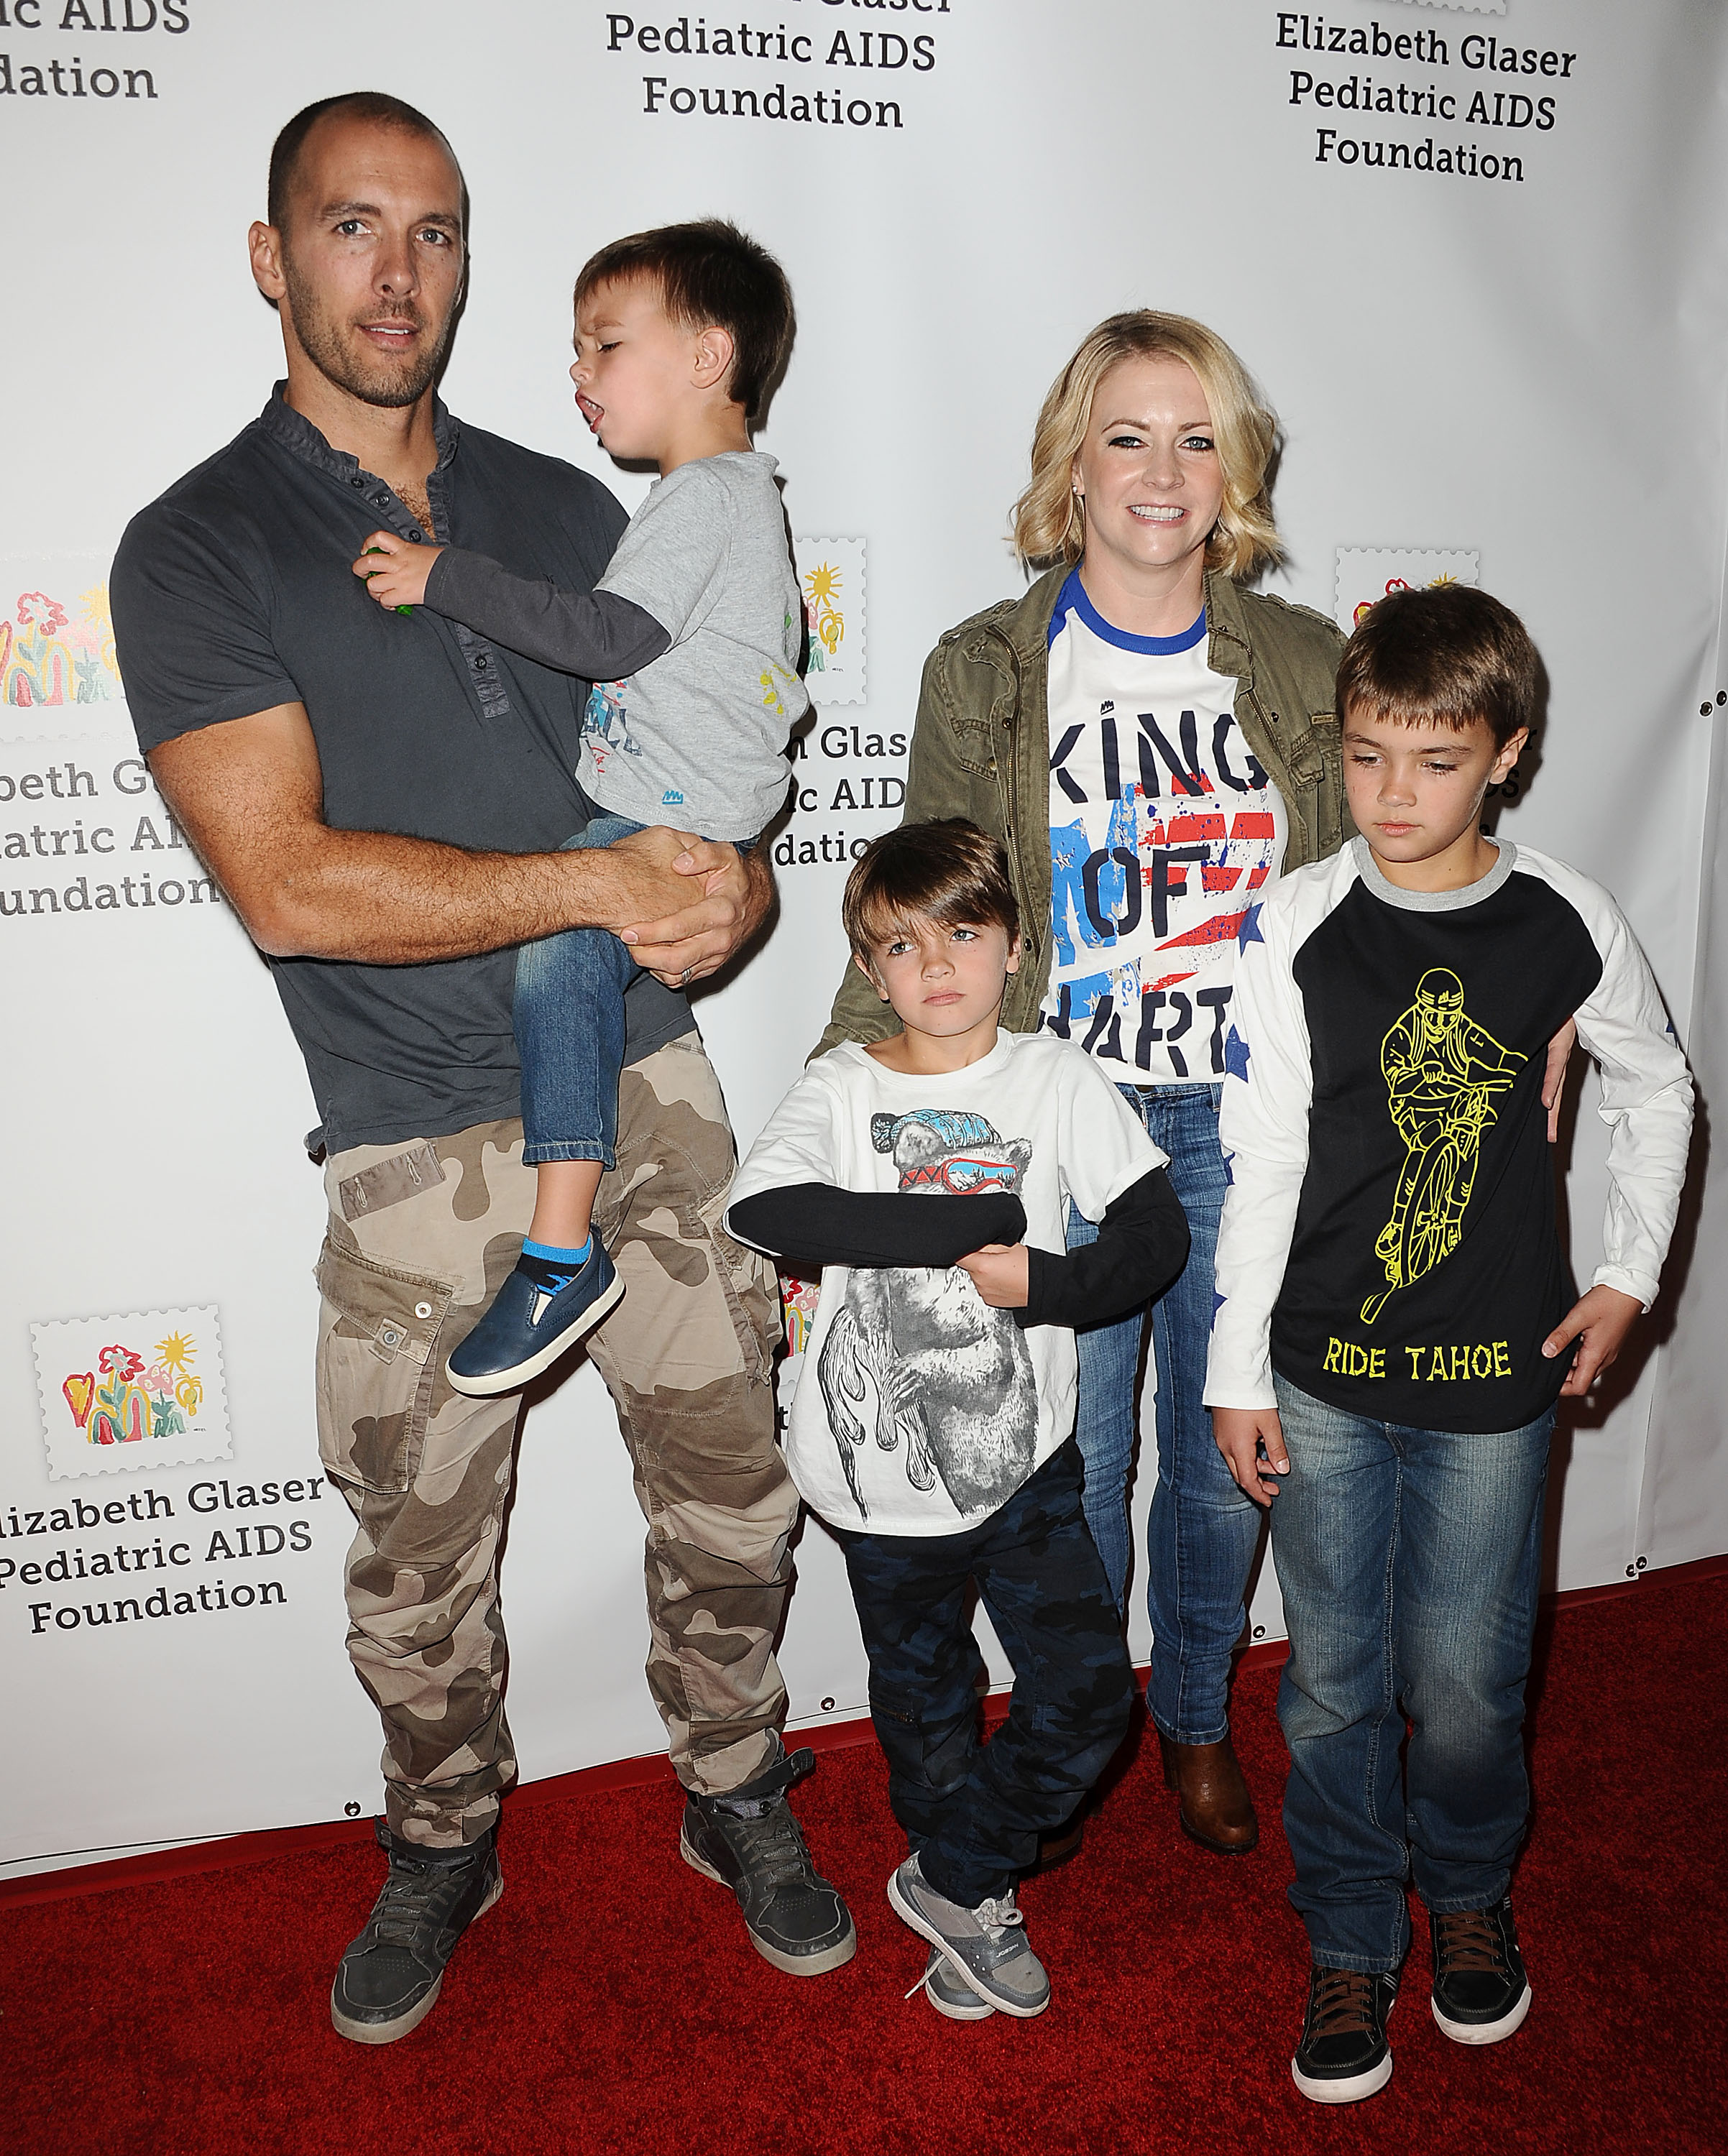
[974, 1812]
[1203, 1530]
[1409, 1561]
[569, 1030]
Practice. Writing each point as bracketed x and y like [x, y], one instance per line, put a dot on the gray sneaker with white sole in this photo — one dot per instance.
[987, 1944]
[949, 1992]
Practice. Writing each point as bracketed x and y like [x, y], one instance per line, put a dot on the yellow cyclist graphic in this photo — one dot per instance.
[1442, 1072]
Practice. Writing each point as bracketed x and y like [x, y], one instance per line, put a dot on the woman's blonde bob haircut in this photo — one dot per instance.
[1049, 519]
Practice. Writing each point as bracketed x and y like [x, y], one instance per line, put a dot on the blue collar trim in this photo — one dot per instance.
[1073, 599]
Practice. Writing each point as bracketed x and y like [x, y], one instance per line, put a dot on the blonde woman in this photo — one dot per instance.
[1153, 743]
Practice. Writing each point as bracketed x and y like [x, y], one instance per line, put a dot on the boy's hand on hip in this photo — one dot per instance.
[1599, 1321]
[1002, 1273]
[1560, 1052]
[1240, 1434]
[395, 573]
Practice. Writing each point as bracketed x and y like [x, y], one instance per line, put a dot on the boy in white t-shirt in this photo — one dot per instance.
[931, 1426]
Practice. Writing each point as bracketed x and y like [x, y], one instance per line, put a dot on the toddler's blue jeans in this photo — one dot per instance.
[1409, 1561]
[569, 1030]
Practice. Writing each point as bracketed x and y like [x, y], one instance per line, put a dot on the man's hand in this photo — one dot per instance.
[1239, 1433]
[1599, 1321]
[730, 894]
[1002, 1273]
[395, 573]
[1559, 1050]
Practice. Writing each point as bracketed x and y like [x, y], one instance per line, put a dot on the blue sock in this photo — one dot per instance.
[549, 1258]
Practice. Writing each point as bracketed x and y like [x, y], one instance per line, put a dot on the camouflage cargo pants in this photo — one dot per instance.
[421, 1235]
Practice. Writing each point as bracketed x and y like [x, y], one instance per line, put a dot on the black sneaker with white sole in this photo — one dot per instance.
[1481, 1993]
[1343, 2055]
[750, 1841]
[388, 1980]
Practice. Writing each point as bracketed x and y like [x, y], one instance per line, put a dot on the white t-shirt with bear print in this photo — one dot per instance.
[920, 1409]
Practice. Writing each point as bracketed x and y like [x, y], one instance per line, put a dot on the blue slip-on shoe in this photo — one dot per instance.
[531, 1323]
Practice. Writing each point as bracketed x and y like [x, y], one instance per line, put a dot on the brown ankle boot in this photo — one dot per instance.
[1217, 1810]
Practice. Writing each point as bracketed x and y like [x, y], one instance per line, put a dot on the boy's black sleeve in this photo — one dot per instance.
[598, 635]
[1142, 1245]
[816, 1224]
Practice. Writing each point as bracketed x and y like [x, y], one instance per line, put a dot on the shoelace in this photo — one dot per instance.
[1468, 1943]
[1343, 2002]
[778, 1845]
[407, 1897]
[997, 1917]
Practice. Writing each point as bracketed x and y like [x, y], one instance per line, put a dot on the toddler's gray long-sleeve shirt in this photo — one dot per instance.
[692, 640]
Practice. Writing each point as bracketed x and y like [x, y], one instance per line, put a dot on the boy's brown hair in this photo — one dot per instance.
[710, 273]
[948, 872]
[1446, 656]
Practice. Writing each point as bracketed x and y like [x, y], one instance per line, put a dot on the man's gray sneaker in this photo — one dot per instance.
[750, 1841]
[949, 1992]
[388, 1980]
[988, 1944]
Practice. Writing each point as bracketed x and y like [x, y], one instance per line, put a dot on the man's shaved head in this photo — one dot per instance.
[376, 107]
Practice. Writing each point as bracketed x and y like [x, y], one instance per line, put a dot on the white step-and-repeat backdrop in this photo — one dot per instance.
[1476, 254]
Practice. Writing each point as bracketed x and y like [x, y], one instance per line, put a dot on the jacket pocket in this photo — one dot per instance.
[1316, 761]
[378, 1360]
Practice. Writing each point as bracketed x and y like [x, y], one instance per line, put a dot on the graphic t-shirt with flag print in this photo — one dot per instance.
[1163, 831]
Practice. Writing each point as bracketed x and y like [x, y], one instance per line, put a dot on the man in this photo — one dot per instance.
[381, 798]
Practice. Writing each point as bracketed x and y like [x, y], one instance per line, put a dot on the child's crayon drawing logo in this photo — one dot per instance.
[1365, 574]
[49, 655]
[830, 586]
[798, 1302]
[141, 1390]
[827, 623]
[1395, 584]
[124, 1400]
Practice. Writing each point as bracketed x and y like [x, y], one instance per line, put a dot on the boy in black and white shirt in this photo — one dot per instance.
[1395, 1316]
[931, 1426]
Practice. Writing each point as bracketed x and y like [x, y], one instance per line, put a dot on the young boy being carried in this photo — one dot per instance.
[929, 1175]
[680, 333]
[1397, 1316]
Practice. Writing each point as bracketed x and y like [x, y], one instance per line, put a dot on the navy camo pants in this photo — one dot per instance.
[975, 1812]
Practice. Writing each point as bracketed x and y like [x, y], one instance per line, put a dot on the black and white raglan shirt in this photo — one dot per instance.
[1389, 1243]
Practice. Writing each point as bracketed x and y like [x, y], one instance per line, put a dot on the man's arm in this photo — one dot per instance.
[249, 793]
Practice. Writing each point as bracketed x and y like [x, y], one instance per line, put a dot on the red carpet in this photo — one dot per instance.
[610, 2001]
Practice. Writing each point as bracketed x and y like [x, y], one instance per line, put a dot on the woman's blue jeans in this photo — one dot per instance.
[1203, 1531]
[1409, 1561]
[569, 1030]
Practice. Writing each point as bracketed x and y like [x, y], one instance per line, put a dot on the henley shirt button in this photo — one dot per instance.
[480, 663]
[423, 1310]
